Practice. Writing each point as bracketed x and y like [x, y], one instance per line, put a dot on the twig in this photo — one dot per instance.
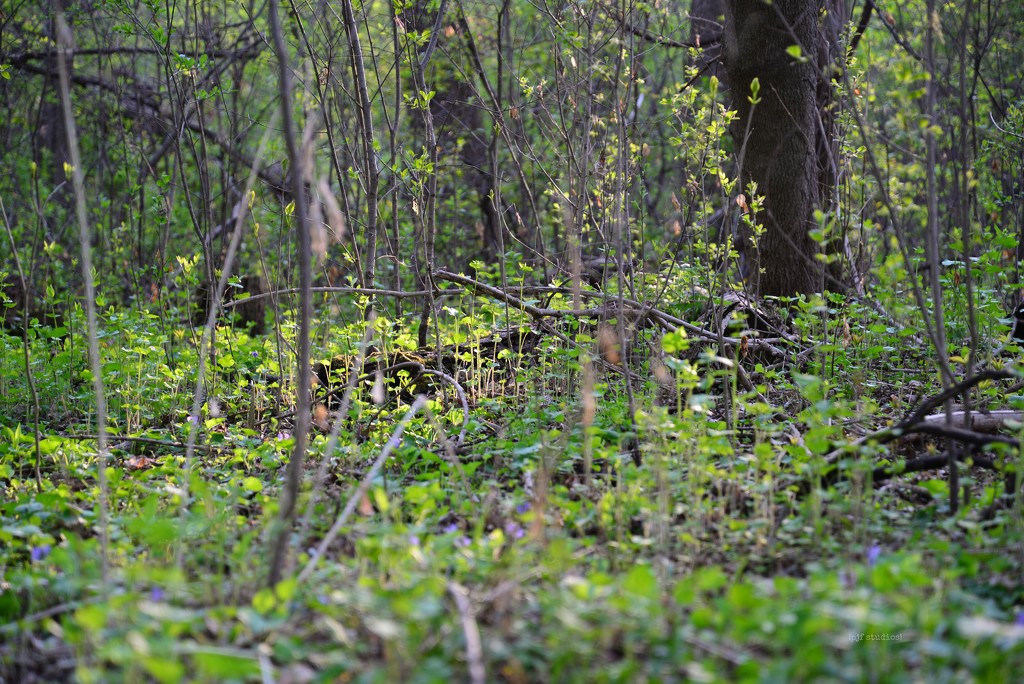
[207, 337]
[368, 139]
[978, 439]
[631, 306]
[52, 611]
[462, 400]
[360, 492]
[25, 349]
[334, 438]
[891, 28]
[474, 647]
[931, 404]
[1003, 130]
[658, 39]
[918, 420]
[432, 43]
[299, 171]
[917, 465]
[399, 294]
[144, 440]
[65, 42]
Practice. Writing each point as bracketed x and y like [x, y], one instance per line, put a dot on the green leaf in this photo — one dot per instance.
[91, 618]
[264, 601]
[220, 666]
[10, 606]
[154, 531]
[675, 342]
[641, 581]
[755, 88]
[710, 579]
[285, 589]
[164, 670]
[252, 484]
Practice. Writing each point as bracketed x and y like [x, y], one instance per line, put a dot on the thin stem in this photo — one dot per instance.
[64, 49]
[302, 418]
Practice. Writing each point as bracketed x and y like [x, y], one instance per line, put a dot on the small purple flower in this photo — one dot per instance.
[450, 528]
[255, 354]
[523, 507]
[874, 552]
[40, 552]
[156, 594]
[194, 420]
[281, 436]
[1019, 620]
[463, 541]
[514, 530]
[414, 540]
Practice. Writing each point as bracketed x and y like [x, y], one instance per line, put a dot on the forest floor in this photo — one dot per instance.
[524, 503]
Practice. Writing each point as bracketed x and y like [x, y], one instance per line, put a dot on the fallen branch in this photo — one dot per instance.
[918, 421]
[120, 439]
[630, 307]
[369, 291]
[954, 427]
[988, 422]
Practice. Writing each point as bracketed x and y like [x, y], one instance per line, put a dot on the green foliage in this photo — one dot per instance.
[699, 504]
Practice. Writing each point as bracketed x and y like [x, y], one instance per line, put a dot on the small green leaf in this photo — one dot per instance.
[91, 618]
[674, 342]
[710, 579]
[641, 581]
[285, 589]
[220, 666]
[164, 670]
[264, 601]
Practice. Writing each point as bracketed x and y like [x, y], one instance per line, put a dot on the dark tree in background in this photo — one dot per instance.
[706, 33]
[781, 136]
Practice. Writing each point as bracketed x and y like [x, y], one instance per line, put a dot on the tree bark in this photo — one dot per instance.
[779, 138]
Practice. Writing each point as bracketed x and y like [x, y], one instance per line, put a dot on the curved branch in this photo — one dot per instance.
[862, 25]
[462, 400]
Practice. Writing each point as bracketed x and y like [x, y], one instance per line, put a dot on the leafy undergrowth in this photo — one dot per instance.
[561, 539]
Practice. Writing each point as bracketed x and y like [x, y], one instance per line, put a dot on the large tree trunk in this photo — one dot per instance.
[781, 138]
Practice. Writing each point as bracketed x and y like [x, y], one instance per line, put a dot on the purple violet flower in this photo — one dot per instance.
[514, 530]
